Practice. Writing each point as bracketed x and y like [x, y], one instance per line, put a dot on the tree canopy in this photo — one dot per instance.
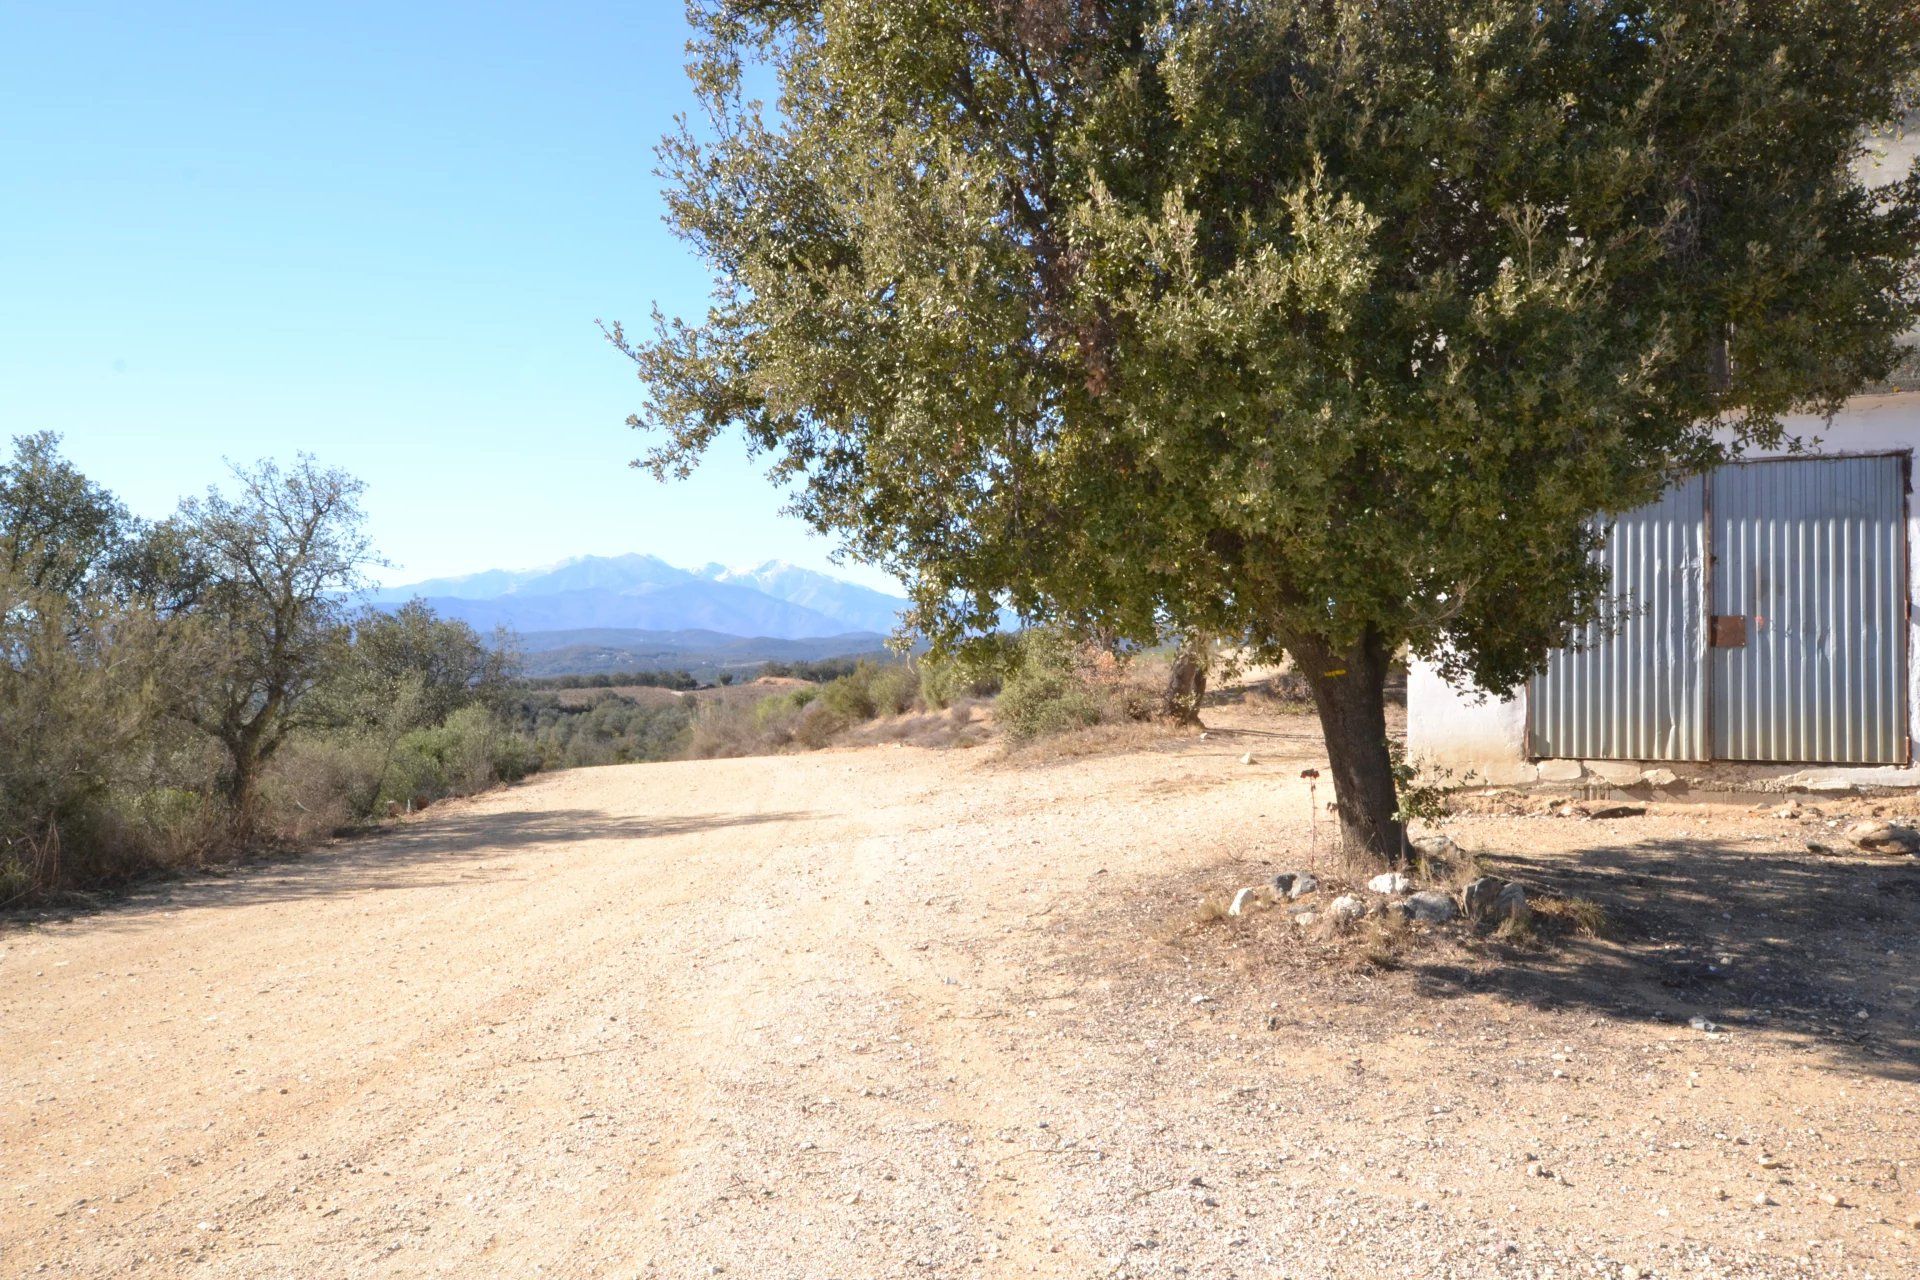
[1326, 324]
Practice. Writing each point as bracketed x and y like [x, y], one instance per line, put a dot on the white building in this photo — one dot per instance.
[1805, 568]
[1768, 630]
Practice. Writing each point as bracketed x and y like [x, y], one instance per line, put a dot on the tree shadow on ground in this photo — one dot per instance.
[1749, 940]
[433, 850]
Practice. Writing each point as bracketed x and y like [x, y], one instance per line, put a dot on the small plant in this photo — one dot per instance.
[1425, 794]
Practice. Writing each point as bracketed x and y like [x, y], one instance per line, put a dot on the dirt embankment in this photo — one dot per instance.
[899, 1012]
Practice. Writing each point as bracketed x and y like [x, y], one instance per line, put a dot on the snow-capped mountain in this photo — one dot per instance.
[865, 608]
[645, 592]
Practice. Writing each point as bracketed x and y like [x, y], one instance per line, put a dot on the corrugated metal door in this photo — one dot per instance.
[1634, 688]
[1809, 586]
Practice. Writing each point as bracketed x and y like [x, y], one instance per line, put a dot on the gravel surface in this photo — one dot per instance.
[896, 1012]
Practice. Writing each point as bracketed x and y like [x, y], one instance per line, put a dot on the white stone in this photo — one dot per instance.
[1390, 882]
[1561, 771]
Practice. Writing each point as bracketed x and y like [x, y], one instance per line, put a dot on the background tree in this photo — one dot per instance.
[434, 665]
[80, 667]
[274, 563]
[57, 528]
[1328, 324]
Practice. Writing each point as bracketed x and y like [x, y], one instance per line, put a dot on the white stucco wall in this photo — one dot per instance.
[1460, 730]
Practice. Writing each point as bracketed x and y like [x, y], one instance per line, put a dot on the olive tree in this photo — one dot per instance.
[1327, 325]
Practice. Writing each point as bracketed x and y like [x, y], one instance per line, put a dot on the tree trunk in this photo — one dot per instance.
[243, 771]
[1186, 686]
[1349, 691]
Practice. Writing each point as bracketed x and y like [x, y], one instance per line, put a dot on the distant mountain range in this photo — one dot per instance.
[774, 600]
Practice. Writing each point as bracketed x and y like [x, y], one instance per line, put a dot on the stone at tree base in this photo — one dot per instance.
[1245, 900]
[1512, 904]
[1346, 907]
[1304, 883]
[1432, 907]
[1390, 882]
[1478, 897]
[1876, 835]
[1435, 849]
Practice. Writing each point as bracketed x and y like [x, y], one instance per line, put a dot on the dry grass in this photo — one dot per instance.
[1094, 740]
[1581, 917]
[959, 726]
[1382, 942]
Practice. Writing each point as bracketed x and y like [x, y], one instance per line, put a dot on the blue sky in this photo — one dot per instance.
[377, 233]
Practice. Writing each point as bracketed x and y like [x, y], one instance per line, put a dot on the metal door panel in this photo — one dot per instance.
[1811, 553]
[1633, 687]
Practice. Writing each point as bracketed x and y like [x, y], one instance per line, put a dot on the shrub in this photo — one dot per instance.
[945, 681]
[1052, 689]
[817, 726]
[871, 690]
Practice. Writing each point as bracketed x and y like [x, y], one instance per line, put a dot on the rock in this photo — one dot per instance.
[1877, 835]
[1346, 907]
[1390, 882]
[1432, 907]
[1621, 773]
[1699, 1023]
[1247, 758]
[1436, 848]
[1305, 917]
[1512, 905]
[1296, 884]
[1479, 896]
[1660, 778]
[1245, 900]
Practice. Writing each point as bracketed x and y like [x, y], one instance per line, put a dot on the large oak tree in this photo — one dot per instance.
[1329, 324]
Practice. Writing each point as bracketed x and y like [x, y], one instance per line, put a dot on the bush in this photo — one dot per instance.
[1056, 685]
[945, 681]
[871, 690]
[467, 753]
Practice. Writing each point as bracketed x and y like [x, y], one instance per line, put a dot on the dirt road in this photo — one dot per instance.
[880, 1013]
